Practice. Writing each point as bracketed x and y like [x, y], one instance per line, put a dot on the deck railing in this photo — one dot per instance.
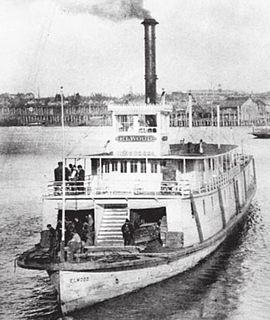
[181, 188]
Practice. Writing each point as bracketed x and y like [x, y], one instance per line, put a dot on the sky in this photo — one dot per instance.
[92, 46]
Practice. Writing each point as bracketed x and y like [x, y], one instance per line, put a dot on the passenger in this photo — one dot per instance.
[72, 178]
[75, 245]
[67, 173]
[70, 228]
[58, 230]
[91, 228]
[78, 225]
[80, 179]
[70, 166]
[53, 242]
[128, 233]
[74, 173]
[58, 172]
[201, 146]
[87, 237]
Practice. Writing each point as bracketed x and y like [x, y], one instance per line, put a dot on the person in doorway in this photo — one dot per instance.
[128, 233]
[58, 230]
[53, 241]
[75, 245]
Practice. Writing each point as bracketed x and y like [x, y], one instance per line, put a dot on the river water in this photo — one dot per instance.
[233, 283]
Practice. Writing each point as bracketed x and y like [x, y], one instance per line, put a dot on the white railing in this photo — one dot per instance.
[91, 187]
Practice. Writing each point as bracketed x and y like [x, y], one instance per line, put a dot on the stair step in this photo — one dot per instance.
[110, 244]
[115, 210]
[111, 227]
[109, 236]
[112, 218]
[115, 215]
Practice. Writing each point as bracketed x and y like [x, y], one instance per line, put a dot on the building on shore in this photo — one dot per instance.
[235, 109]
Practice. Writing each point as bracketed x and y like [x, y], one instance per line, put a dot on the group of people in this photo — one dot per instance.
[78, 234]
[74, 175]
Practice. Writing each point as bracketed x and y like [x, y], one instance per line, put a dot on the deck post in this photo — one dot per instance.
[245, 183]
[196, 216]
[236, 195]
[254, 171]
[62, 246]
[222, 209]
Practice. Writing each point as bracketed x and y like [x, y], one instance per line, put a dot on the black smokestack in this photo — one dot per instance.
[150, 60]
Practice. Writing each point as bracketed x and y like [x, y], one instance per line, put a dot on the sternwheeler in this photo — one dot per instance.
[182, 200]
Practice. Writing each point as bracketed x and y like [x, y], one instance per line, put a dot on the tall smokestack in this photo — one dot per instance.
[150, 60]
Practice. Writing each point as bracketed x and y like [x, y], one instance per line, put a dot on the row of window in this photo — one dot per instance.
[135, 166]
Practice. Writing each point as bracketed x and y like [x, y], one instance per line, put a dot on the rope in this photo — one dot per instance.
[42, 43]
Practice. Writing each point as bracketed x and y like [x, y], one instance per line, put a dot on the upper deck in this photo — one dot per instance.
[138, 160]
[177, 173]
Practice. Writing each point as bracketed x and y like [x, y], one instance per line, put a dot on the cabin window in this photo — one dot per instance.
[133, 166]
[114, 165]
[123, 166]
[125, 122]
[143, 166]
[106, 166]
[154, 166]
[180, 166]
[148, 120]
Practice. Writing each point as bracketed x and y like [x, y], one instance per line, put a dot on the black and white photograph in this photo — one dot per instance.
[135, 160]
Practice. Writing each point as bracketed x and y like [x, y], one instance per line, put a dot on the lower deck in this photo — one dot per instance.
[163, 227]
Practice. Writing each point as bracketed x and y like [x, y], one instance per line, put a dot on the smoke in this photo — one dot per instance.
[116, 10]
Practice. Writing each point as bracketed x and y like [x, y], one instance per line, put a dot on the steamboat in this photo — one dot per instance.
[262, 132]
[182, 199]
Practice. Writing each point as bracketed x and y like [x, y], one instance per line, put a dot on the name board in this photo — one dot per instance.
[135, 153]
[135, 138]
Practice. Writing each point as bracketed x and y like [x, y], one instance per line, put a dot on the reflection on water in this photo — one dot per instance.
[233, 283]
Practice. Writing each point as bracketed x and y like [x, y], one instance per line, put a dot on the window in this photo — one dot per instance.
[148, 120]
[209, 163]
[123, 166]
[133, 166]
[114, 165]
[154, 166]
[106, 166]
[143, 166]
[125, 122]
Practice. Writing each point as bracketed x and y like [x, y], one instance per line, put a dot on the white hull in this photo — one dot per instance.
[81, 289]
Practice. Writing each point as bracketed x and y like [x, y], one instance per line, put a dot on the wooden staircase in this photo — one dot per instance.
[110, 233]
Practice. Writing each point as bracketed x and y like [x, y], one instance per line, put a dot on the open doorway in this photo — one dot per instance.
[79, 221]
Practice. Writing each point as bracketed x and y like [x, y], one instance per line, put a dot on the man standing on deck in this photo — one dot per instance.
[58, 172]
[80, 179]
[128, 233]
[52, 240]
